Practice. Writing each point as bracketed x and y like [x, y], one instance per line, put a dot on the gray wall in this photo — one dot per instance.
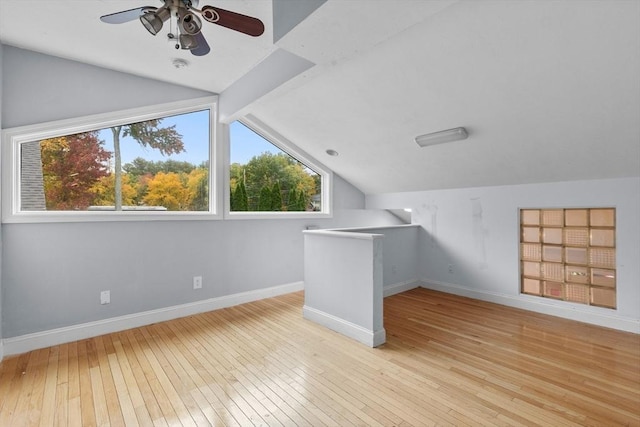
[476, 230]
[1, 102]
[53, 273]
[400, 254]
[40, 88]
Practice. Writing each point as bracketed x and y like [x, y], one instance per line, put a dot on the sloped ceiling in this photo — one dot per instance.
[548, 90]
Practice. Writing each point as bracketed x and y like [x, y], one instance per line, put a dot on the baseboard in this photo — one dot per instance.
[351, 330]
[582, 313]
[25, 343]
[399, 287]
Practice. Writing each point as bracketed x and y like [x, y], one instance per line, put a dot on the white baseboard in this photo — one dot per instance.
[25, 343]
[399, 287]
[573, 311]
[351, 330]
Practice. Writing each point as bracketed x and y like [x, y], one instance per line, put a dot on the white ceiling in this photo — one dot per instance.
[548, 90]
[71, 29]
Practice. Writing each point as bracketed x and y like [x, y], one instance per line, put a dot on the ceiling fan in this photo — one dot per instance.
[185, 25]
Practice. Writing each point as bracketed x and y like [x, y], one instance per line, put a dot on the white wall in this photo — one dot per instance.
[476, 231]
[53, 273]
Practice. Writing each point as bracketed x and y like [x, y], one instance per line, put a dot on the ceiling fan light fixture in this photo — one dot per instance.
[183, 20]
[153, 21]
[441, 137]
[187, 41]
[189, 23]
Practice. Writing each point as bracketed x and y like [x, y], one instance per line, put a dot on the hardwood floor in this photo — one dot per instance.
[447, 361]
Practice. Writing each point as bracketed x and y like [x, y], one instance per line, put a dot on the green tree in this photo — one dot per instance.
[148, 133]
[268, 169]
[292, 200]
[236, 174]
[303, 201]
[239, 202]
[264, 202]
[140, 166]
[276, 198]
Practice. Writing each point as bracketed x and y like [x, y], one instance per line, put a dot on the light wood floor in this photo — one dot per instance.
[448, 361]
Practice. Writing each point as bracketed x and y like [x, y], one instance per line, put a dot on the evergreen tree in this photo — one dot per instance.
[292, 201]
[264, 203]
[276, 198]
[232, 199]
[302, 201]
[239, 202]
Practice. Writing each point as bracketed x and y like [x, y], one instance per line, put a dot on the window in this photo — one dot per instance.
[146, 162]
[269, 177]
[569, 254]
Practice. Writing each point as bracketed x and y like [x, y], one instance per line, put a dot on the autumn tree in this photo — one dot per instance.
[104, 190]
[148, 133]
[71, 166]
[198, 189]
[168, 190]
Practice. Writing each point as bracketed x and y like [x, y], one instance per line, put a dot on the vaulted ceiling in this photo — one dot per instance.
[548, 90]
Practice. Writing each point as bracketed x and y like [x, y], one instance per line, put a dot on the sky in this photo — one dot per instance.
[195, 135]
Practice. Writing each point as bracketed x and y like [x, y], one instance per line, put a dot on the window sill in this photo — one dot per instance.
[101, 216]
[275, 215]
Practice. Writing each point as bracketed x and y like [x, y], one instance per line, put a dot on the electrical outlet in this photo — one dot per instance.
[105, 297]
[197, 282]
[451, 268]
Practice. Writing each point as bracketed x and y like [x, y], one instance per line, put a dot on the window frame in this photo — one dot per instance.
[282, 143]
[11, 170]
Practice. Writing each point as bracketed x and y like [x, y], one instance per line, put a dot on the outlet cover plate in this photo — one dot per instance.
[105, 297]
[197, 282]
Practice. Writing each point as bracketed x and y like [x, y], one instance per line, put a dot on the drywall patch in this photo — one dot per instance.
[479, 233]
[427, 215]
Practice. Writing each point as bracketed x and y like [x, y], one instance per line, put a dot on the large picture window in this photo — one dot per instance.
[140, 162]
[268, 175]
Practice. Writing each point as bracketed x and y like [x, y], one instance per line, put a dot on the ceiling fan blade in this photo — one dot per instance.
[203, 47]
[126, 15]
[232, 20]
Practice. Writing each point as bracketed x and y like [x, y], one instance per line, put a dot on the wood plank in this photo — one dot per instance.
[47, 415]
[87, 409]
[106, 377]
